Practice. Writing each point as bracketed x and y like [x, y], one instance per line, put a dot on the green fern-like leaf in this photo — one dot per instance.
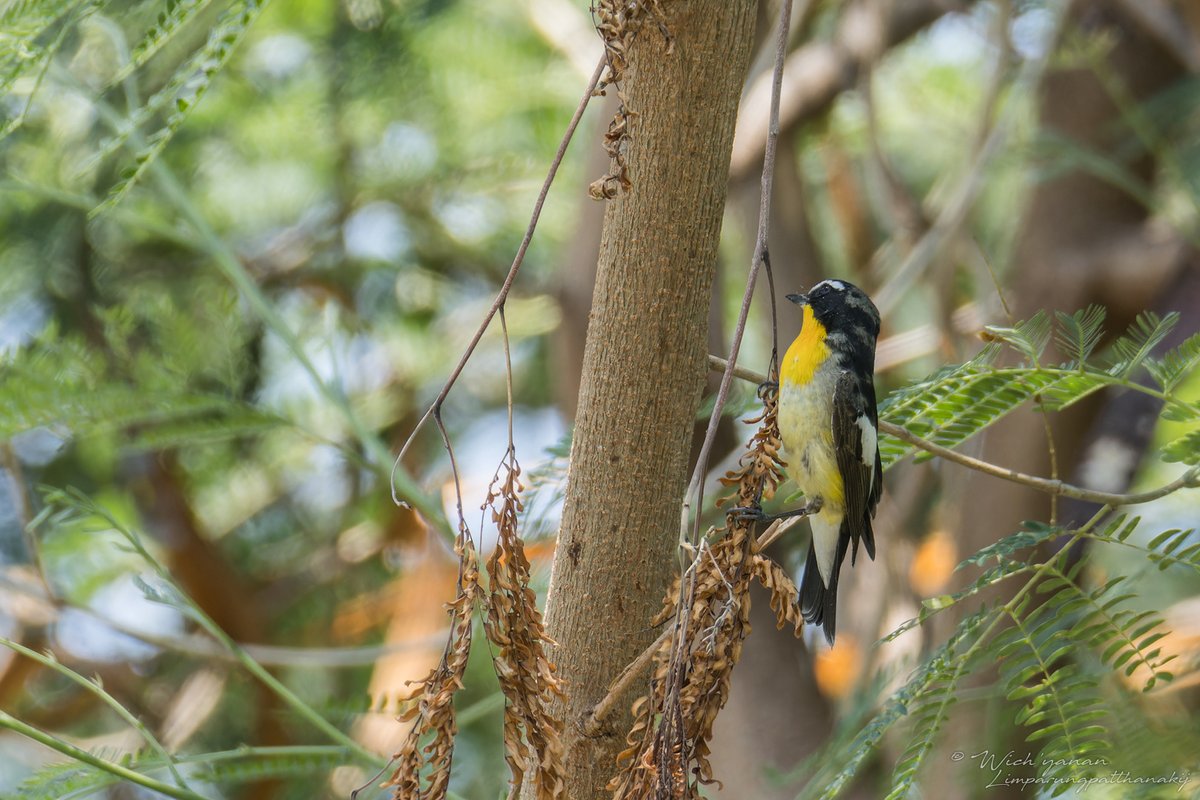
[1122, 637]
[1175, 547]
[59, 384]
[1170, 370]
[67, 779]
[1079, 333]
[1170, 548]
[932, 673]
[929, 710]
[254, 765]
[182, 93]
[171, 20]
[1184, 450]
[1061, 704]
[958, 403]
[36, 51]
[1147, 332]
[1028, 337]
[1031, 535]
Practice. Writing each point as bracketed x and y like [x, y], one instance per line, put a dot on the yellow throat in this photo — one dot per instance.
[806, 353]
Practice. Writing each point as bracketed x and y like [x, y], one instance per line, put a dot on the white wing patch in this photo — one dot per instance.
[870, 440]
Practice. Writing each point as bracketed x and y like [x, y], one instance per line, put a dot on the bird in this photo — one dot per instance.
[829, 426]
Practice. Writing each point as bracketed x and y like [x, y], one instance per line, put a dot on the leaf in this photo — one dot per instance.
[1185, 449]
[1171, 370]
[1147, 332]
[170, 21]
[1079, 333]
[182, 92]
[1028, 337]
[955, 404]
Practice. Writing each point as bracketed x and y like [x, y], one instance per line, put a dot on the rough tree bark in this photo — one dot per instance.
[644, 364]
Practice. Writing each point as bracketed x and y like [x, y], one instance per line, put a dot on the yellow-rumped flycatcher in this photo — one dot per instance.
[829, 425]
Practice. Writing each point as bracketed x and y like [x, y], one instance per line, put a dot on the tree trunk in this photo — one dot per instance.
[644, 364]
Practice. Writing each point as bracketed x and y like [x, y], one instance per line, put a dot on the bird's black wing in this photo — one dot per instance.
[860, 497]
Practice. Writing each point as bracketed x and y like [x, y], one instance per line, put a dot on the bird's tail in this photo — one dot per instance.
[818, 602]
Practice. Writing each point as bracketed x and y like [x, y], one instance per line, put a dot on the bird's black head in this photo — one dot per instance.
[840, 306]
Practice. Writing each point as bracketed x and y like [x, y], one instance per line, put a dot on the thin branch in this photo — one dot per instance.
[816, 74]
[775, 530]
[93, 686]
[593, 720]
[83, 756]
[436, 406]
[82, 504]
[1188, 480]
[696, 487]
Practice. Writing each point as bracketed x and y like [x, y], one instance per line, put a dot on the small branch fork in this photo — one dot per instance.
[435, 408]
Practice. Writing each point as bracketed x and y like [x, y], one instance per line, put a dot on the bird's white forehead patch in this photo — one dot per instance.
[836, 285]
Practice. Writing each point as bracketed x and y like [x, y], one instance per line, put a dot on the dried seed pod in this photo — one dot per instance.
[513, 624]
[434, 696]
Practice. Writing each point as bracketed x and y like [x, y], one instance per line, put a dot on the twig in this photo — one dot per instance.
[696, 487]
[593, 721]
[202, 647]
[50, 661]
[83, 756]
[1188, 480]
[775, 530]
[502, 295]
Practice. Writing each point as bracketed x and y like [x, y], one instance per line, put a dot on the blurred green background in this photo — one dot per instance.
[236, 269]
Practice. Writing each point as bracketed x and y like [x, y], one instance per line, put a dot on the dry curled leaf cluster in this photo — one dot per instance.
[532, 737]
[668, 748]
[513, 626]
[434, 711]
[618, 23]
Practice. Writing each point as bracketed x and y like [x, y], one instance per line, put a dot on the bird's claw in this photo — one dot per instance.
[746, 514]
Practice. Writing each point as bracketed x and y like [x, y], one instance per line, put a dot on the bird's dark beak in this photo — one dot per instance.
[798, 299]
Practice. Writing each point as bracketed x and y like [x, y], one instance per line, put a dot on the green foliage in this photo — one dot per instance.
[181, 94]
[956, 403]
[1175, 365]
[1059, 701]
[1079, 333]
[128, 367]
[174, 392]
[170, 21]
[1134, 348]
[60, 781]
